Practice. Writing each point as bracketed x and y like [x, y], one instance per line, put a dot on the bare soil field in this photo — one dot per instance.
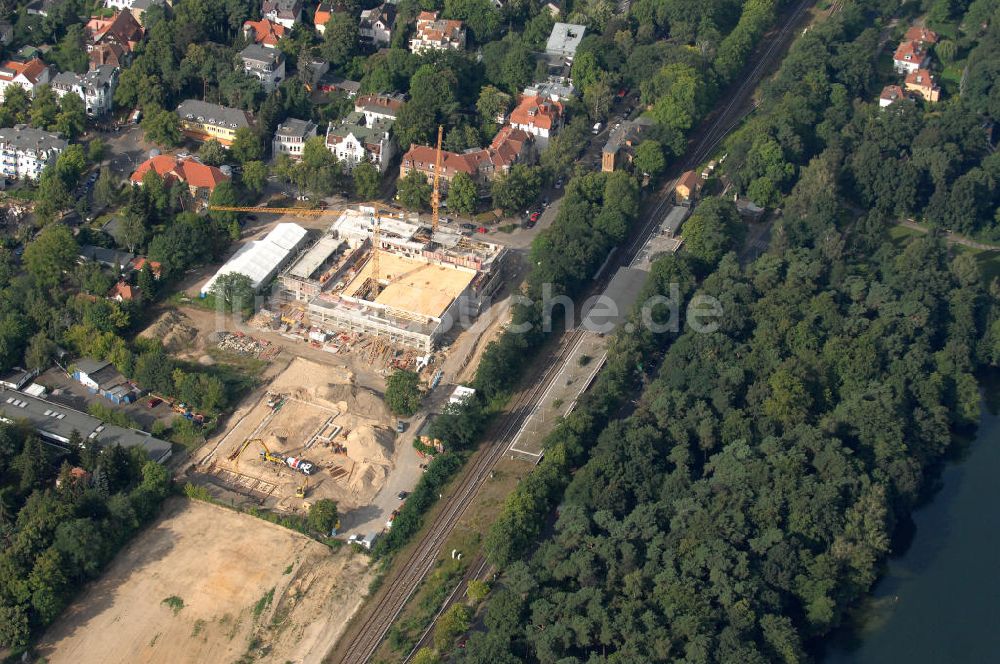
[206, 584]
[311, 412]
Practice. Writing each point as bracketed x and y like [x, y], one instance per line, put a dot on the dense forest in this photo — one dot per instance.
[60, 524]
[748, 500]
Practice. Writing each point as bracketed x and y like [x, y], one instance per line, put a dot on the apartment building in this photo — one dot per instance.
[202, 121]
[96, 88]
[290, 137]
[26, 151]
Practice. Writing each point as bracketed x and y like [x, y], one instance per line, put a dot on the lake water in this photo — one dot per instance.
[939, 602]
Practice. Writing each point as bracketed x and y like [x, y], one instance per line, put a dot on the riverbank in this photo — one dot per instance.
[939, 598]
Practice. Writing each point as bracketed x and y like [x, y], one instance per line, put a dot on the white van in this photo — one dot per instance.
[597, 128]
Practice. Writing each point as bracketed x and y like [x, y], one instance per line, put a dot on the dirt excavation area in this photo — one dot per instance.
[206, 584]
[312, 412]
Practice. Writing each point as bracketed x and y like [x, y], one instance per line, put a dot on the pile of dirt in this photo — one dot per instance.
[356, 401]
[173, 329]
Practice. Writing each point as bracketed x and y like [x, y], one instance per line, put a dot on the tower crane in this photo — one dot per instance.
[436, 192]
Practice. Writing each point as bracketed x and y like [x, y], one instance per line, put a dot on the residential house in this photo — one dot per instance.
[109, 258]
[322, 16]
[202, 121]
[437, 34]
[265, 64]
[264, 32]
[920, 34]
[28, 74]
[141, 261]
[123, 291]
[290, 137]
[112, 41]
[101, 377]
[910, 56]
[380, 106]
[376, 25]
[311, 71]
[510, 146]
[200, 179]
[334, 83]
[26, 151]
[538, 116]
[687, 187]
[285, 12]
[96, 88]
[553, 7]
[563, 41]
[357, 138]
[890, 95]
[554, 88]
[619, 151]
[922, 83]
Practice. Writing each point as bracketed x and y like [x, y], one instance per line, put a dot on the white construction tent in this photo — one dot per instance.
[261, 260]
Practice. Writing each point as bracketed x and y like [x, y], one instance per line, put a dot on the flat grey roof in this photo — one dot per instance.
[565, 39]
[295, 127]
[57, 422]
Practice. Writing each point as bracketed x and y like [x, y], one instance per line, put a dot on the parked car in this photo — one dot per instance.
[534, 217]
[402, 495]
[400, 426]
[154, 402]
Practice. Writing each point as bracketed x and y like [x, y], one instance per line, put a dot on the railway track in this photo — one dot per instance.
[363, 642]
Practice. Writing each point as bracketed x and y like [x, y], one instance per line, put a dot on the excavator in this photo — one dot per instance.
[300, 490]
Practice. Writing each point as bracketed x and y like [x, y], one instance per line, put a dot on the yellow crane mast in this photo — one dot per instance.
[436, 192]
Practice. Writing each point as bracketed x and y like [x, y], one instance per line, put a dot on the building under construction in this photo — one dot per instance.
[395, 279]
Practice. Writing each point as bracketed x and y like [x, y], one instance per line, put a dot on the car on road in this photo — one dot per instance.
[467, 229]
[402, 495]
[597, 128]
[400, 426]
[534, 218]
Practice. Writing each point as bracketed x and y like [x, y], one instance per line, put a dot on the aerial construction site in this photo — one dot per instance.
[385, 274]
[314, 434]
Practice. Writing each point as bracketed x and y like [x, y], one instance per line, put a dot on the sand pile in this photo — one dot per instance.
[173, 329]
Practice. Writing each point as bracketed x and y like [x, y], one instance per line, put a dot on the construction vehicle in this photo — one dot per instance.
[300, 490]
[266, 455]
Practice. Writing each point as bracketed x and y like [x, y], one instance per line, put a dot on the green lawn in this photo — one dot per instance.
[988, 261]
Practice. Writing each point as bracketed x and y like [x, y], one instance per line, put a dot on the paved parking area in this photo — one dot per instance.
[66, 391]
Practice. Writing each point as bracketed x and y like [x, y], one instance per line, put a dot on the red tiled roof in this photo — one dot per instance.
[910, 51]
[191, 172]
[690, 180]
[504, 151]
[154, 266]
[122, 26]
[920, 34]
[921, 78]
[265, 31]
[536, 112]
[31, 69]
[124, 291]
[892, 93]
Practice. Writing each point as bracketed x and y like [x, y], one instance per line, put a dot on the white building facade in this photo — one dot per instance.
[96, 88]
[25, 151]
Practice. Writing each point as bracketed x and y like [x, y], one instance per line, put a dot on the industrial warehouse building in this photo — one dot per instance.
[56, 424]
[262, 260]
